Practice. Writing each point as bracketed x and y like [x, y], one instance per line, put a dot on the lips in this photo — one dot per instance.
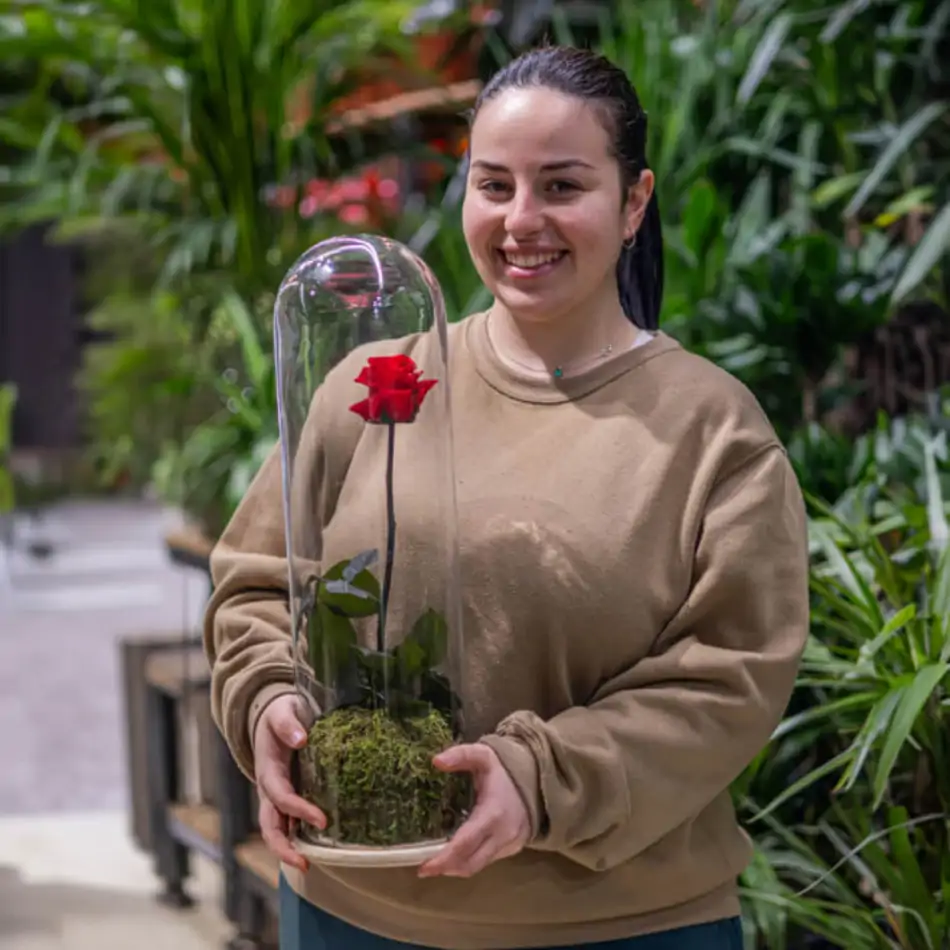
[524, 265]
[528, 261]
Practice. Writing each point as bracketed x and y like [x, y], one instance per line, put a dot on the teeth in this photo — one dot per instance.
[531, 260]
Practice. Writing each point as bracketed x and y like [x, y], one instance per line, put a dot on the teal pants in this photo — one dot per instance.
[305, 927]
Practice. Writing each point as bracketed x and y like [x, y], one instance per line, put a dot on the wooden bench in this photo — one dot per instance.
[187, 793]
[173, 677]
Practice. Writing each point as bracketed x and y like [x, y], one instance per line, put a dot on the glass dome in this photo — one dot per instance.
[361, 347]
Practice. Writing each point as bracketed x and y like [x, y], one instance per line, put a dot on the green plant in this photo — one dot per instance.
[180, 117]
[403, 679]
[208, 469]
[868, 730]
[175, 142]
[386, 713]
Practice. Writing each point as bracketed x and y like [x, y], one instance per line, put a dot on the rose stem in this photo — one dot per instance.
[390, 539]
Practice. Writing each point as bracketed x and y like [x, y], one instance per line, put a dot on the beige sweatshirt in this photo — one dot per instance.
[635, 603]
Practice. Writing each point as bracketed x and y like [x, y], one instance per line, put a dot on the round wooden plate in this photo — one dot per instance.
[362, 856]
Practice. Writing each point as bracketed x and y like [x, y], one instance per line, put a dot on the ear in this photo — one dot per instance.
[638, 197]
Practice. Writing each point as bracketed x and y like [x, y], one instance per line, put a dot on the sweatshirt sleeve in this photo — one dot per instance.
[247, 624]
[662, 740]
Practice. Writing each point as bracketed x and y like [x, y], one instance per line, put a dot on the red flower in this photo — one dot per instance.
[395, 390]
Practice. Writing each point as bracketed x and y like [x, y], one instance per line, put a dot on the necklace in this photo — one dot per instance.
[558, 371]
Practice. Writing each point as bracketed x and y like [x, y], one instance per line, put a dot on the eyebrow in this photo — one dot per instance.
[548, 167]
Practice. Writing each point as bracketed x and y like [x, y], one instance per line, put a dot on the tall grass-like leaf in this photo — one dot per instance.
[848, 574]
[821, 711]
[905, 137]
[940, 598]
[876, 722]
[912, 702]
[936, 517]
[841, 18]
[765, 53]
[893, 626]
[770, 922]
[933, 245]
[255, 360]
[914, 891]
[826, 768]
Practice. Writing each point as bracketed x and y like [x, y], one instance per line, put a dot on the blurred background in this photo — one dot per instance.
[161, 166]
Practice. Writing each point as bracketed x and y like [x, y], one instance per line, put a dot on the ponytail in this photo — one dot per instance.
[640, 271]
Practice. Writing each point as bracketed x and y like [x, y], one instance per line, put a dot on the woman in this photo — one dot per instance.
[633, 541]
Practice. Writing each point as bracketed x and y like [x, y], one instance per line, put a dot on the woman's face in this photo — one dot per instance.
[544, 215]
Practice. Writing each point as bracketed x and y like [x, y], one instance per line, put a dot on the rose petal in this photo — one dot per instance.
[362, 408]
[393, 405]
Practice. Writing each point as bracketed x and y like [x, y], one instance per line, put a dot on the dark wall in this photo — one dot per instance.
[40, 339]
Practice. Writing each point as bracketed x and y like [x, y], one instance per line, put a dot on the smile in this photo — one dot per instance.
[531, 264]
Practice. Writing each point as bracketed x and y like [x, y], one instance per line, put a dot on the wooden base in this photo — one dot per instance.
[361, 856]
[255, 857]
[201, 820]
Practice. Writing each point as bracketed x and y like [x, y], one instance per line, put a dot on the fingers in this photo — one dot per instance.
[486, 854]
[275, 832]
[275, 786]
[465, 758]
[284, 722]
[455, 857]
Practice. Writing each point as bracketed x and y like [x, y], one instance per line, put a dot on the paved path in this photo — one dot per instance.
[61, 620]
[70, 877]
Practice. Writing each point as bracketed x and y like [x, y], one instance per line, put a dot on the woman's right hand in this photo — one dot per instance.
[278, 733]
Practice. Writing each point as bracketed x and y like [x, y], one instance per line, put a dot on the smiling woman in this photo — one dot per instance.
[561, 216]
[633, 564]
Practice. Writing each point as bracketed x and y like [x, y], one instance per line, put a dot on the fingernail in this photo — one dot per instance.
[298, 737]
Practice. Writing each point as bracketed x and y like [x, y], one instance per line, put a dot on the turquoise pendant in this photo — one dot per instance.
[558, 372]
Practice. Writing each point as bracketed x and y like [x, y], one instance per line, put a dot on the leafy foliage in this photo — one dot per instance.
[404, 680]
[854, 830]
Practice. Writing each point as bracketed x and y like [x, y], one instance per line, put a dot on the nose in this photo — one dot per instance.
[524, 216]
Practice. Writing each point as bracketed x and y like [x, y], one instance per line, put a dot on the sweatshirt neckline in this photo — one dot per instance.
[538, 389]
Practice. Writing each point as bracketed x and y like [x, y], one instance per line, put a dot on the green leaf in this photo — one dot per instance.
[356, 597]
[410, 660]
[896, 149]
[826, 768]
[821, 711]
[877, 721]
[940, 598]
[431, 634]
[936, 518]
[768, 48]
[909, 709]
[332, 638]
[837, 24]
[828, 192]
[894, 625]
[849, 575]
[914, 893]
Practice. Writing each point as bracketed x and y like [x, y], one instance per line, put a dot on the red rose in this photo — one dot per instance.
[395, 389]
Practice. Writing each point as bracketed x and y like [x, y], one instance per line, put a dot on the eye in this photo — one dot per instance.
[493, 188]
[563, 188]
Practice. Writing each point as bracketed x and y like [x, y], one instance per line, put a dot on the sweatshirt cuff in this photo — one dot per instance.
[520, 764]
[243, 725]
[261, 701]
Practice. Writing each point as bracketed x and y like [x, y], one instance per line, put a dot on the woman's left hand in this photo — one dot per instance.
[499, 825]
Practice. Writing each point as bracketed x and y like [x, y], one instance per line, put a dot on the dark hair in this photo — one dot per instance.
[585, 75]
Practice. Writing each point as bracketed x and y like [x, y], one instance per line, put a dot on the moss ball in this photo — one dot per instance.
[372, 775]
